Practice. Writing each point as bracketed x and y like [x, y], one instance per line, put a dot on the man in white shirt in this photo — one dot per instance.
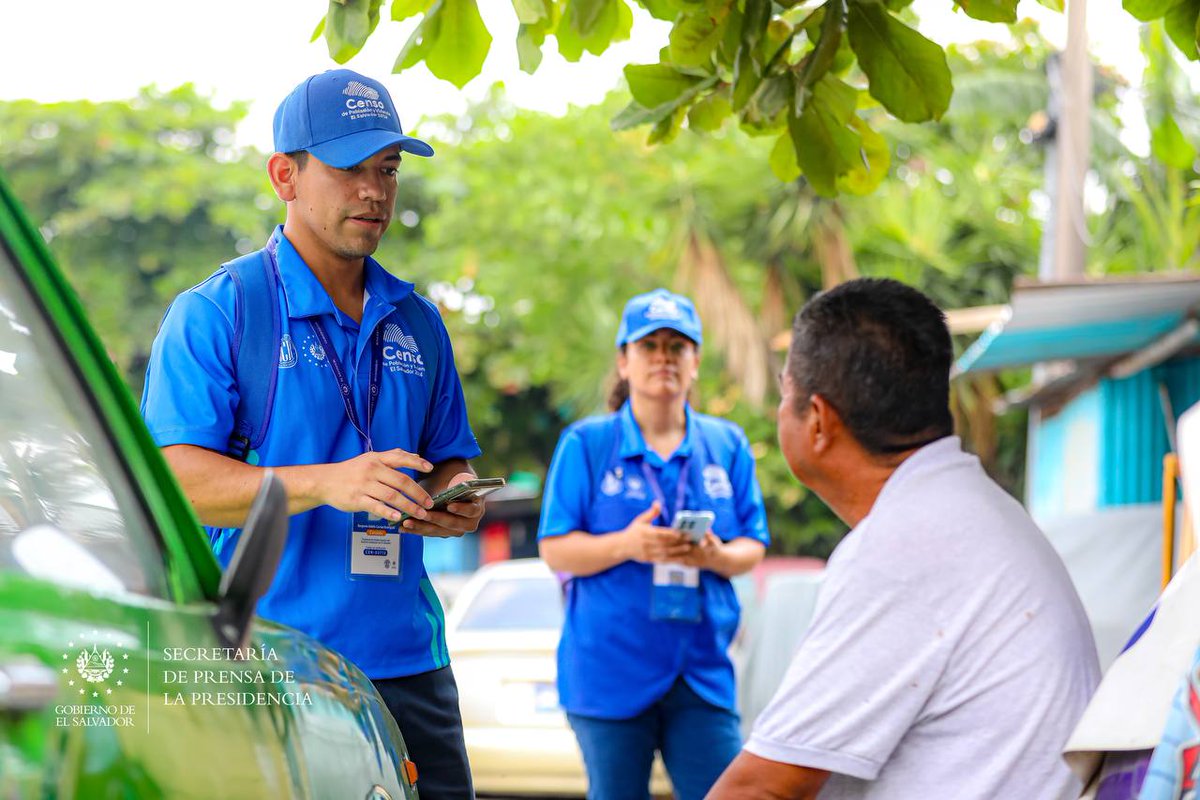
[949, 656]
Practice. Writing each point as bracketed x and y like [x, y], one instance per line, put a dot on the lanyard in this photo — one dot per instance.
[680, 489]
[339, 373]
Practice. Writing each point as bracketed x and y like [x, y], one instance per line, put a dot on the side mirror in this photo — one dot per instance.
[254, 562]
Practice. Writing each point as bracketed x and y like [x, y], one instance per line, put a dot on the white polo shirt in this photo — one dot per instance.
[949, 655]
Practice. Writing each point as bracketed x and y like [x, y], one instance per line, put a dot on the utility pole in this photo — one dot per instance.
[1065, 240]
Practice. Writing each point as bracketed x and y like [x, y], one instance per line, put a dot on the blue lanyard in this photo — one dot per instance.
[339, 373]
[668, 513]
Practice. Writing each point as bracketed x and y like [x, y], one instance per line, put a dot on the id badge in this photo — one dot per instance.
[374, 548]
[675, 594]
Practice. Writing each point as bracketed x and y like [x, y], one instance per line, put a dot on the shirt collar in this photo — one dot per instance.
[305, 295]
[932, 456]
[633, 444]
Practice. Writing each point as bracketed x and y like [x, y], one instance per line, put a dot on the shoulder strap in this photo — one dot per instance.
[428, 341]
[256, 343]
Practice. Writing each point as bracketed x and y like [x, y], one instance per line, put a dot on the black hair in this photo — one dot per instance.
[300, 157]
[879, 352]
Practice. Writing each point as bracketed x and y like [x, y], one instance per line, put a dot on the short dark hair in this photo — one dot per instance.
[300, 157]
[879, 352]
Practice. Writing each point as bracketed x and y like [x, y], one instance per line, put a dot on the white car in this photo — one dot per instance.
[502, 632]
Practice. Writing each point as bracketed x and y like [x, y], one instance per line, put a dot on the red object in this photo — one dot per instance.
[494, 543]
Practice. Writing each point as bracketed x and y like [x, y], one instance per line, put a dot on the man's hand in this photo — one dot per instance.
[646, 542]
[458, 518]
[372, 483]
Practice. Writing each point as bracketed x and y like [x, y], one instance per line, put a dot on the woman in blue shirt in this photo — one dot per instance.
[643, 663]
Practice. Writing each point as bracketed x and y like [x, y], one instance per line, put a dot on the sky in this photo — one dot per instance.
[257, 50]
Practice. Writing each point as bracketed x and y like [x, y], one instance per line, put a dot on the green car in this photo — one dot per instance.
[129, 665]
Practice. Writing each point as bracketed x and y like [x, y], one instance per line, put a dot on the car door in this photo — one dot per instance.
[114, 681]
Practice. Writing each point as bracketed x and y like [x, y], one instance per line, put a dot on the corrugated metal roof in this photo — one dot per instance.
[1086, 319]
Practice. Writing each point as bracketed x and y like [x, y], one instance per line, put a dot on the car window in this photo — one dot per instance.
[516, 604]
[67, 512]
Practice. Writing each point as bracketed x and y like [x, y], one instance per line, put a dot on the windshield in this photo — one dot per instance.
[67, 514]
[516, 604]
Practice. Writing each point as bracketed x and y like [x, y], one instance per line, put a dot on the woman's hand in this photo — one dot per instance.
[651, 544]
[704, 555]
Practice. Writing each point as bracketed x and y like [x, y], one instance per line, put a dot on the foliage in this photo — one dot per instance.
[138, 200]
[798, 71]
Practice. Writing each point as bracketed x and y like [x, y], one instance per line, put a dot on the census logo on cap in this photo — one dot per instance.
[655, 310]
[342, 118]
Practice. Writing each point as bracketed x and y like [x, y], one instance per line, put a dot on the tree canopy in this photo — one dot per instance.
[805, 74]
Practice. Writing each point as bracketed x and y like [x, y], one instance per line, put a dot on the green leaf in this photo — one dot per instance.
[907, 72]
[1147, 10]
[866, 176]
[660, 9]
[654, 84]
[819, 61]
[462, 43]
[826, 148]
[529, 47]
[636, 114]
[403, 9]
[1054, 5]
[531, 12]
[586, 13]
[420, 41]
[710, 113]
[990, 10]
[900, 5]
[783, 159]
[667, 128]
[695, 36]
[347, 26]
[1169, 146]
[747, 73]
[613, 24]
[777, 35]
[755, 20]
[316, 34]
[1180, 23]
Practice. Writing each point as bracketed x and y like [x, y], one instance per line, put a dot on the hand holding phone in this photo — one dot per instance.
[693, 524]
[460, 492]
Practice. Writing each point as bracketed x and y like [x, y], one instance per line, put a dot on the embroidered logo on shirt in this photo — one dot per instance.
[716, 482]
[401, 353]
[313, 353]
[611, 485]
[287, 352]
[635, 488]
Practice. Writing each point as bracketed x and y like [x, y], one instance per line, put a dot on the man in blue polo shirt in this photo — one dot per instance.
[367, 418]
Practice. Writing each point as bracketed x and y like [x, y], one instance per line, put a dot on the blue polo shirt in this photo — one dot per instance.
[389, 628]
[614, 659]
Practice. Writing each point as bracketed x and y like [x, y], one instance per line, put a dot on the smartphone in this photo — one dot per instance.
[693, 524]
[467, 490]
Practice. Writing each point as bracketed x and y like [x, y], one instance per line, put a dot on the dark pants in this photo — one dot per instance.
[697, 741]
[425, 707]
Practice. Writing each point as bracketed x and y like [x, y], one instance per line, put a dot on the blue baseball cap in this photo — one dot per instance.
[647, 313]
[342, 118]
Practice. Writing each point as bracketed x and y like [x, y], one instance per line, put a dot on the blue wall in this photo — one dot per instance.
[1105, 448]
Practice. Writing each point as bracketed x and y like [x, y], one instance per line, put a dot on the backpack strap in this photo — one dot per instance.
[256, 342]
